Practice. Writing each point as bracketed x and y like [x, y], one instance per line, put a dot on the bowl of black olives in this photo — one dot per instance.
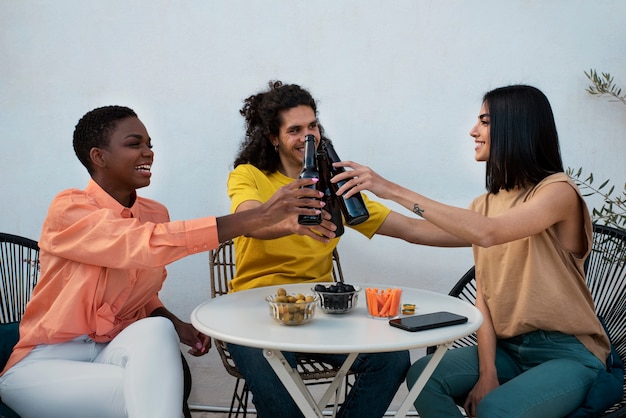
[337, 298]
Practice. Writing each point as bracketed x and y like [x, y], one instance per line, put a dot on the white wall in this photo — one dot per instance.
[398, 82]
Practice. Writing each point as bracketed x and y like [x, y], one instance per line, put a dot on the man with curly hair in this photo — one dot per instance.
[270, 156]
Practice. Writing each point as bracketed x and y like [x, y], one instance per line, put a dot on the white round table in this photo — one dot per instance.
[243, 318]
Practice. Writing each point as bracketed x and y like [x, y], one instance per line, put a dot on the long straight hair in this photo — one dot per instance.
[524, 144]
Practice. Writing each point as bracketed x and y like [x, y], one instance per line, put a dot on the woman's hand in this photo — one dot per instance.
[290, 226]
[323, 232]
[360, 178]
[488, 373]
[293, 199]
[276, 217]
[484, 385]
[200, 344]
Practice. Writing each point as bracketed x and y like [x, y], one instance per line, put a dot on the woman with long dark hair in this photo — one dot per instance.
[541, 344]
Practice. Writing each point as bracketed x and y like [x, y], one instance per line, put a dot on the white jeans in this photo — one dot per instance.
[138, 374]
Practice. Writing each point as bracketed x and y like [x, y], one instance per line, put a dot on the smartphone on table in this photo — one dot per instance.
[427, 321]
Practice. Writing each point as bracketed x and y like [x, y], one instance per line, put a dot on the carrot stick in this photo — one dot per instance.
[371, 301]
[384, 311]
[380, 299]
[397, 294]
[392, 308]
[387, 308]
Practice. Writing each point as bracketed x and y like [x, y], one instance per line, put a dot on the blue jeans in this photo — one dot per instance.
[542, 374]
[378, 378]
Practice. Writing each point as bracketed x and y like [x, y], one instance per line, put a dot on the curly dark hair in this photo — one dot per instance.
[262, 112]
[93, 130]
[524, 141]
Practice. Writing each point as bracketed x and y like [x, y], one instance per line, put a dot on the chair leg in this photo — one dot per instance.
[336, 404]
[347, 387]
[186, 387]
[245, 392]
[240, 398]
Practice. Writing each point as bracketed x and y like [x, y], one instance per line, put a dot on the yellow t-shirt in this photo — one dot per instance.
[289, 259]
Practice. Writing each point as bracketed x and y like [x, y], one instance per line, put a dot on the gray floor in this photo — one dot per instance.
[213, 387]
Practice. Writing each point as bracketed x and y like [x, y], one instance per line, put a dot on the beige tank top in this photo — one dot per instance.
[534, 283]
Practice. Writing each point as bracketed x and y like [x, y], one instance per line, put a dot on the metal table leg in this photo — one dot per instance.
[296, 387]
[421, 381]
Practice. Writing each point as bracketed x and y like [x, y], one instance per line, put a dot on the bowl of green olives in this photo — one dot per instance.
[337, 298]
[292, 309]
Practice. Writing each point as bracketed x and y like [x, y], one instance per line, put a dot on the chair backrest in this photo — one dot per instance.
[606, 279]
[19, 272]
[465, 289]
[222, 268]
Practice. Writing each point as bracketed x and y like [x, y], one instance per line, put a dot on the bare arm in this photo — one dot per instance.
[488, 375]
[283, 207]
[199, 343]
[418, 231]
[556, 203]
[288, 226]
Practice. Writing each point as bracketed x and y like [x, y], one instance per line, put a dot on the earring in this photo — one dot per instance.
[276, 148]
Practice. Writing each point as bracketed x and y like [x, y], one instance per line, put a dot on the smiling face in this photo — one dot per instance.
[124, 164]
[297, 122]
[482, 135]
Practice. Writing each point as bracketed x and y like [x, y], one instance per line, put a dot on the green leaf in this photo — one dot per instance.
[603, 184]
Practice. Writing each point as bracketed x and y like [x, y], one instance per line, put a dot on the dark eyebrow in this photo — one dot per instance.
[313, 122]
[484, 115]
[137, 136]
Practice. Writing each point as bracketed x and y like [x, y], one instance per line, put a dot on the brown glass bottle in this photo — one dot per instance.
[309, 171]
[333, 204]
[353, 208]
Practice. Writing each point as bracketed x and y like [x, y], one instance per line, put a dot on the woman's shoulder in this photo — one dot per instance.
[561, 178]
[152, 204]
[555, 178]
[151, 210]
[70, 198]
[71, 194]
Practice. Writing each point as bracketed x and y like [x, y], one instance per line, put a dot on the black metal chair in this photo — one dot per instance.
[606, 279]
[313, 372]
[19, 272]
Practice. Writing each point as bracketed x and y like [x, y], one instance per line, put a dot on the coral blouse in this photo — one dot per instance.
[102, 266]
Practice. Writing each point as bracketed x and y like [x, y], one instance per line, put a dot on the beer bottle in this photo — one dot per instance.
[353, 208]
[333, 204]
[309, 171]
